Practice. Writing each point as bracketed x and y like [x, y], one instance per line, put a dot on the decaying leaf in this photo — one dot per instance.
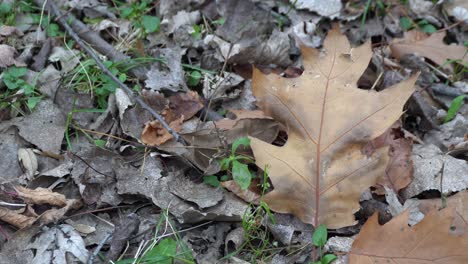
[399, 171]
[457, 201]
[319, 174]
[431, 47]
[7, 57]
[182, 106]
[395, 242]
[39, 196]
[56, 244]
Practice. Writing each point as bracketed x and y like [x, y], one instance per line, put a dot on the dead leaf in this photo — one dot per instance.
[56, 245]
[457, 201]
[28, 162]
[41, 196]
[7, 57]
[431, 47]
[395, 242]
[15, 218]
[182, 106]
[320, 172]
[399, 171]
[249, 195]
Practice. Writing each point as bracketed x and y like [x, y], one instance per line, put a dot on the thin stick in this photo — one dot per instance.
[98, 248]
[63, 22]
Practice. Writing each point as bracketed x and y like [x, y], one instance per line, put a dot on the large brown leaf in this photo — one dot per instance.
[427, 242]
[319, 174]
[432, 47]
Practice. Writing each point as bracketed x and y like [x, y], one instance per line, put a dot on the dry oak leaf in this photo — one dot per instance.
[429, 241]
[320, 173]
[431, 47]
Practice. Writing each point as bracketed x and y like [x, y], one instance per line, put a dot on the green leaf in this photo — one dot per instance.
[406, 23]
[319, 238]
[126, 12]
[328, 258]
[53, 30]
[17, 72]
[150, 23]
[220, 21]
[454, 107]
[164, 252]
[244, 141]
[428, 28]
[10, 83]
[211, 180]
[100, 143]
[5, 8]
[194, 78]
[224, 163]
[196, 34]
[241, 174]
[32, 102]
[28, 89]
[224, 178]
[122, 77]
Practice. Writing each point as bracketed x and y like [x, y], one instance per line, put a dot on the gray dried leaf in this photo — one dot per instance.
[28, 162]
[9, 145]
[329, 9]
[53, 244]
[397, 208]
[172, 78]
[434, 170]
[216, 87]
[7, 57]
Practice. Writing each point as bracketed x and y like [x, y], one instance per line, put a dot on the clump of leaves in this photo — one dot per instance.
[19, 91]
[235, 165]
[136, 12]
[319, 239]
[321, 171]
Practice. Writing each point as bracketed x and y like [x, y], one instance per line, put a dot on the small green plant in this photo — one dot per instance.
[377, 6]
[233, 164]
[408, 24]
[90, 79]
[319, 239]
[136, 12]
[19, 91]
[163, 250]
[455, 105]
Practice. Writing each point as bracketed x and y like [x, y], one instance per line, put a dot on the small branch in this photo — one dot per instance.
[63, 21]
[98, 248]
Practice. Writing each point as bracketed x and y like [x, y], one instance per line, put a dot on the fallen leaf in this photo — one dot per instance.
[457, 201]
[429, 241]
[435, 170]
[319, 174]
[182, 106]
[7, 57]
[57, 243]
[399, 171]
[41, 196]
[431, 47]
[248, 195]
[15, 218]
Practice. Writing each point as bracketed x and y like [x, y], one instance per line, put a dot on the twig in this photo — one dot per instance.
[63, 21]
[98, 248]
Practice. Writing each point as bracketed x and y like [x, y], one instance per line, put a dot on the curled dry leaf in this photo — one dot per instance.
[15, 218]
[319, 174]
[431, 47]
[429, 241]
[28, 162]
[182, 106]
[39, 196]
